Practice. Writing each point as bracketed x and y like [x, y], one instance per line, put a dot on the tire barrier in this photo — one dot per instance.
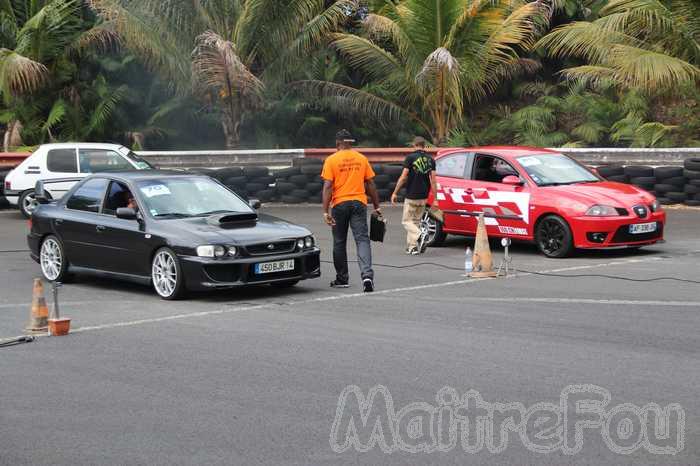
[670, 184]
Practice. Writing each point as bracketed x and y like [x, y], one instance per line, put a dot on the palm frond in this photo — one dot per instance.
[19, 74]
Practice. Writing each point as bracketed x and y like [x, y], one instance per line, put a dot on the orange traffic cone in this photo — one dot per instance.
[482, 262]
[38, 320]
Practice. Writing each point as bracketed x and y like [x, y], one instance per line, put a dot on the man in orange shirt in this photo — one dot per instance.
[348, 180]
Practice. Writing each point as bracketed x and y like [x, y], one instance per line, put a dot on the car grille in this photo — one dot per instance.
[623, 235]
[278, 247]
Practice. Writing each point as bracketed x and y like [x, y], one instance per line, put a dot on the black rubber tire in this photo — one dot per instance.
[690, 174]
[394, 171]
[284, 284]
[548, 226]
[203, 171]
[665, 201]
[236, 181]
[314, 199]
[63, 275]
[285, 187]
[645, 187]
[20, 203]
[287, 172]
[643, 180]
[439, 238]
[677, 196]
[266, 195]
[634, 171]
[314, 188]
[617, 178]
[180, 288]
[692, 203]
[266, 180]
[228, 172]
[690, 189]
[255, 171]
[664, 188]
[255, 187]
[378, 168]
[309, 162]
[300, 193]
[384, 194]
[692, 163]
[300, 180]
[382, 181]
[606, 171]
[291, 200]
[240, 191]
[676, 181]
[663, 173]
[311, 169]
[694, 182]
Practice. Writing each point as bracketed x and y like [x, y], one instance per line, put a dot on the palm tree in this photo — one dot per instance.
[652, 45]
[224, 51]
[427, 60]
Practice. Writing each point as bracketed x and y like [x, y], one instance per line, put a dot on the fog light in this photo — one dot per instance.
[597, 237]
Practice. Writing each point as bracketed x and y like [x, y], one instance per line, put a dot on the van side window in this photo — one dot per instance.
[62, 161]
[89, 196]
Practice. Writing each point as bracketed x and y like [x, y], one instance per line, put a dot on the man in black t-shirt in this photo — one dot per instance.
[419, 177]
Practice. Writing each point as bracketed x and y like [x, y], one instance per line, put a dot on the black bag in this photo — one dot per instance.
[377, 227]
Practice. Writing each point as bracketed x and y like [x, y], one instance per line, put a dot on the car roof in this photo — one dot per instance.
[507, 152]
[81, 145]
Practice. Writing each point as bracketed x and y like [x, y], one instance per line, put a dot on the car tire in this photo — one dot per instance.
[617, 178]
[378, 168]
[166, 275]
[643, 180]
[690, 174]
[311, 169]
[691, 189]
[284, 284]
[677, 196]
[553, 237]
[606, 171]
[255, 172]
[665, 201]
[692, 203]
[285, 187]
[664, 188]
[53, 260]
[287, 172]
[291, 200]
[663, 173]
[692, 163]
[634, 171]
[393, 171]
[300, 180]
[438, 238]
[255, 187]
[27, 203]
[314, 187]
[676, 181]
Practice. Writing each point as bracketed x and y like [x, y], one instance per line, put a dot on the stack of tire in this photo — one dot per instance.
[692, 186]
[613, 173]
[3, 202]
[387, 176]
[248, 182]
[301, 183]
[670, 185]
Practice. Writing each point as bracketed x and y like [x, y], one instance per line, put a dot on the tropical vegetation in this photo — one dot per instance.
[289, 73]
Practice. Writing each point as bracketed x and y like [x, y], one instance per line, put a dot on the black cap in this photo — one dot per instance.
[344, 135]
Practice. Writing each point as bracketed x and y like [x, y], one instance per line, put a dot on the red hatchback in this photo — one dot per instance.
[542, 196]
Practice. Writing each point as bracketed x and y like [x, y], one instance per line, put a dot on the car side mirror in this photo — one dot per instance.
[126, 213]
[255, 203]
[40, 193]
[512, 180]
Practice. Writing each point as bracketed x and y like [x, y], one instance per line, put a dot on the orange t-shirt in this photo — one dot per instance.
[348, 170]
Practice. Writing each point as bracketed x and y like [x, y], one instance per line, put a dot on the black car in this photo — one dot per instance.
[176, 231]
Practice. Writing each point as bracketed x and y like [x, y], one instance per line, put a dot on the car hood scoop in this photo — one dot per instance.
[232, 220]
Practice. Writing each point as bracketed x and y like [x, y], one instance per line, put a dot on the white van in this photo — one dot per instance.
[72, 161]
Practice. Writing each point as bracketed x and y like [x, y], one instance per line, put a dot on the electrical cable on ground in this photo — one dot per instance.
[544, 274]
[17, 341]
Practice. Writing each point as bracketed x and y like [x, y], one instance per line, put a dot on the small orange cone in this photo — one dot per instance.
[38, 320]
[482, 262]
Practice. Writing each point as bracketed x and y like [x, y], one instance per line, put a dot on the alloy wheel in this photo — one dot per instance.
[552, 236]
[51, 258]
[164, 274]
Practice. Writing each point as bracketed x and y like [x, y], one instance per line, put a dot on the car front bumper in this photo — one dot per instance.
[205, 273]
[613, 232]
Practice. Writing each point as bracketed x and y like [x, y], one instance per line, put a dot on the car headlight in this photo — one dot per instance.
[309, 242]
[211, 251]
[655, 206]
[300, 243]
[232, 251]
[602, 211]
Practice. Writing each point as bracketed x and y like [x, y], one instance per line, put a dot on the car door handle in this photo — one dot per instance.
[100, 228]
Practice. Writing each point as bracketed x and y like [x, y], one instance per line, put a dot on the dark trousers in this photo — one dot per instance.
[351, 215]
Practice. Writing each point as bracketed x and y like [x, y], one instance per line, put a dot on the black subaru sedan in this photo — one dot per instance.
[176, 231]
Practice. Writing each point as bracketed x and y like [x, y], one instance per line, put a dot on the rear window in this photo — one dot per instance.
[62, 161]
[89, 196]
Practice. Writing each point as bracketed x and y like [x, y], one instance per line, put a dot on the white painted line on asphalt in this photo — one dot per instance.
[333, 298]
[68, 303]
[621, 302]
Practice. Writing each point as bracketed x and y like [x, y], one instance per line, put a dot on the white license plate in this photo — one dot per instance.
[643, 228]
[272, 267]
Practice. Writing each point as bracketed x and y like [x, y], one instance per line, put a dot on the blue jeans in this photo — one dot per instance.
[351, 214]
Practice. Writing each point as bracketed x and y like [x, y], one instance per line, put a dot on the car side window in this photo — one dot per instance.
[61, 161]
[492, 169]
[101, 160]
[455, 165]
[118, 196]
[88, 197]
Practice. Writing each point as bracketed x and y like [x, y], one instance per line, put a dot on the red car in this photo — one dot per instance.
[542, 196]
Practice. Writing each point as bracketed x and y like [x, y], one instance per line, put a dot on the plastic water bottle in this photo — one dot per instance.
[468, 261]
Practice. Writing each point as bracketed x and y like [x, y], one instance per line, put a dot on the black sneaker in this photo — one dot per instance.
[339, 284]
[368, 285]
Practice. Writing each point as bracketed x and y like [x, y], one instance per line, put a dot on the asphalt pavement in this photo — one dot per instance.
[263, 376]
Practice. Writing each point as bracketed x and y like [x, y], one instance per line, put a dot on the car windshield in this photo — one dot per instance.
[555, 170]
[140, 163]
[188, 197]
